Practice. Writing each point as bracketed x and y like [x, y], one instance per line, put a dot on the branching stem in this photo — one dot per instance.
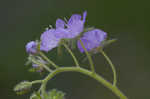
[36, 81]
[97, 77]
[73, 56]
[48, 60]
[43, 65]
[111, 65]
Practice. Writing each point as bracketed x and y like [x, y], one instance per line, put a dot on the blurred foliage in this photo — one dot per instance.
[52, 94]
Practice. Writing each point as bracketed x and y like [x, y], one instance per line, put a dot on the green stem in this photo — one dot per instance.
[48, 69]
[43, 87]
[71, 53]
[43, 65]
[111, 65]
[48, 60]
[97, 77]
[36, 81]
[88, 56]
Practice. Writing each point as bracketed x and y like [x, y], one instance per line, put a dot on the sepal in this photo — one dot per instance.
[108, 42]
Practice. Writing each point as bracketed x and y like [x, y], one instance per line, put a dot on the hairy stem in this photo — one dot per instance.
[73, 56]
[36, 81]
[95, 76]
[46, 67]
[111, 65]
[48, 60]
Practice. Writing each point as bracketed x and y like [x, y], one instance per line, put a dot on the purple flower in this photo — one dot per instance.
[72, 28]
[49, 40]
[31, 47]
[92, 39]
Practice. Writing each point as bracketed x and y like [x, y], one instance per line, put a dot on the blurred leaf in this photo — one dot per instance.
[55, 94]
[32, 70]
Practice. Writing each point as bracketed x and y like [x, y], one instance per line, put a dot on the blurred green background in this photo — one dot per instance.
[127, 20]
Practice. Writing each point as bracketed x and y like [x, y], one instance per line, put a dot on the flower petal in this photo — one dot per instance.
[92, 39]
[62, 33]
[49, 40]
[84, 16]
[86, 44]
[60, 23]
[31, 47]
[75, 25]
[74, 18]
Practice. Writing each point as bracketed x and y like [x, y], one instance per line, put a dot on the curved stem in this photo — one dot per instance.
[36, 81]
[97, 77]
[88, 56]
[48, 60]
[42, 89]
[73, 56]
[111, 65]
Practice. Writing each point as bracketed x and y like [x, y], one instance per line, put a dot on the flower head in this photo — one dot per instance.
[74, 26]
[49, 40]
[92, 39]
[31, 47]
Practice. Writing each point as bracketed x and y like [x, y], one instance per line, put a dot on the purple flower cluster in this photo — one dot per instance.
[71, 29]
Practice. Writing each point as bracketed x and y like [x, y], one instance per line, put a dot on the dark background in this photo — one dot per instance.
[127, 20]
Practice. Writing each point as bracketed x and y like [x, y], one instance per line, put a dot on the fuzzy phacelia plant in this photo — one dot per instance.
[73, 35]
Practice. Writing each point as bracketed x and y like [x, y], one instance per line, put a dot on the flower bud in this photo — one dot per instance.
[31, 47]
[23, 87]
